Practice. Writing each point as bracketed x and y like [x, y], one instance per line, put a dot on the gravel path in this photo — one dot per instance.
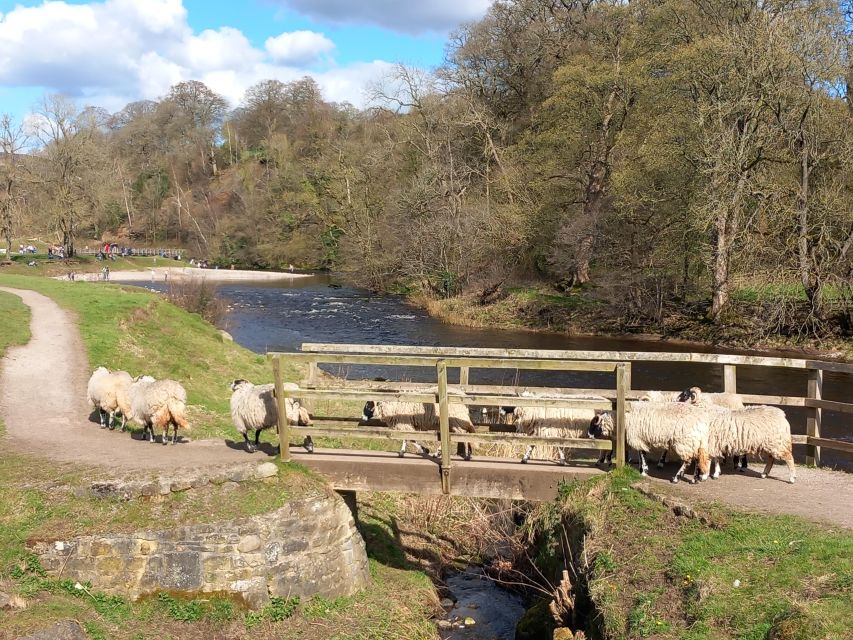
[818, 494]
[43, 404]
[44, 407]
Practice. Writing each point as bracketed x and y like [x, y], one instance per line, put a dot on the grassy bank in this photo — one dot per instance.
[652, 574]
[584, 313]
[15, 324]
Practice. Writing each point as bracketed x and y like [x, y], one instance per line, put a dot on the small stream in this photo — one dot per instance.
[493, 610]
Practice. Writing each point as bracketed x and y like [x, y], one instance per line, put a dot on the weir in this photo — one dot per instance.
[492, 477]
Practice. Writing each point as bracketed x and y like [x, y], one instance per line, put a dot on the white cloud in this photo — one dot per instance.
[408, 17]
[111, 52]
[298, 47]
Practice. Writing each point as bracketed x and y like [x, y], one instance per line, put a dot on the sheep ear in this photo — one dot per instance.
[596, 419]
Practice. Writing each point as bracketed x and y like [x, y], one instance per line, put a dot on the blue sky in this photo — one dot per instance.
[110, 52]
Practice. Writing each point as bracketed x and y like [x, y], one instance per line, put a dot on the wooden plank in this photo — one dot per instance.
[443, 425]
[621, 387]
[838, 445]
[787, 401]
[729, 378]
[492, 478]
[427, 361]
[365, 394]
[524, 440]
[503, 401]
[799, 439]
[367, 433]
[463, 376]
[283, 423]
[648, 356]
[815, 393]
[829, 405]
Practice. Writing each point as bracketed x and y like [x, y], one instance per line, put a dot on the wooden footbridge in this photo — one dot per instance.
[371, 470]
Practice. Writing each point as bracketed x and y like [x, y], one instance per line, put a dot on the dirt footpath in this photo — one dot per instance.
[44, 407]
[818, 494]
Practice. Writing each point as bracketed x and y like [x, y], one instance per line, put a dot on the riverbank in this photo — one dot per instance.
[165, 274]
[582, 315]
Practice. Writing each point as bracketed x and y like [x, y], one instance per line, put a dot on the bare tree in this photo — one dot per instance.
[13, 141]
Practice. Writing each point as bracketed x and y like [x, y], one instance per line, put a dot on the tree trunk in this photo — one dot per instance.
[722, 246]
[808, 272]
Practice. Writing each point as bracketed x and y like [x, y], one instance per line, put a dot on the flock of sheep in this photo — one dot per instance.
[704, 428]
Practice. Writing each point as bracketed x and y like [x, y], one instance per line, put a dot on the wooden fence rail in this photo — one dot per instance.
[317, 386]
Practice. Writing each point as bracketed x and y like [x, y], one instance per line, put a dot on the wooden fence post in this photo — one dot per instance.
[444, 425]
[623, 384]
[815, 392]
[729, 378]
[463, 376]
[310, 381]
[283, 424]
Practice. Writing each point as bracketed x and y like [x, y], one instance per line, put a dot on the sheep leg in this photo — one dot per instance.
[662, 460]
[527, 453]
[743, 463]
[644, 468]
[249, 447]
[308, 443]
[789, 460]
[101, 417]
[768, 466]
[123, 422]
[680, 471]
[402, 450]
[110, 420]
[562, 456]
[716, 468]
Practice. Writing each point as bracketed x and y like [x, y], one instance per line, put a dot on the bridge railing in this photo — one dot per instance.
[812, 400]
[444, 394]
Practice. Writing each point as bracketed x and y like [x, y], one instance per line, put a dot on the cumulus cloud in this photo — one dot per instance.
[298, 47]
[408, 17]
[115, 51]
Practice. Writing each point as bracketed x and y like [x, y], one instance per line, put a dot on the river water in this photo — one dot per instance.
[280, 316]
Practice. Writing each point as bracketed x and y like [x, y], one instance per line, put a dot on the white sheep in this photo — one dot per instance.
[107, 391]
[652, 425]
[752, 431]
[158, 403]
[555, 422]
[695, 396]
[254, 407]
[417, 416]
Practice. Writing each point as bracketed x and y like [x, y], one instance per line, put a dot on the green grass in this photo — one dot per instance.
[15, 324]
[653, 574]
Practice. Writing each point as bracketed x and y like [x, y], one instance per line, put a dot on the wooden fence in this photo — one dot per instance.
[442, 393]
[619, 362]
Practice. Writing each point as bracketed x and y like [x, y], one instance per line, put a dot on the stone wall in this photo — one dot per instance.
[307, 547]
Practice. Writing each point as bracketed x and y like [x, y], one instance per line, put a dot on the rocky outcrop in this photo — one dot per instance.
[307, 547]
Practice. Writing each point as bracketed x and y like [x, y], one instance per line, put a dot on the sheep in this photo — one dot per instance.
[158, 403]
[555, 422]
[254, 407]
[107, 391]
[416, 416]
[650, 425]
[752, 430]
[694, 396]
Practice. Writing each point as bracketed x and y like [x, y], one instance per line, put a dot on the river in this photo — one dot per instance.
[280, 316]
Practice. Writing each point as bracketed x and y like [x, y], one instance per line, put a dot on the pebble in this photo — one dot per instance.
[446, 603]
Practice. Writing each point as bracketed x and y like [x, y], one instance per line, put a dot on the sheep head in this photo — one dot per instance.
[601, 426]
[239, 382]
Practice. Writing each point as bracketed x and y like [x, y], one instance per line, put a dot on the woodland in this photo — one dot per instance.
[689, 155]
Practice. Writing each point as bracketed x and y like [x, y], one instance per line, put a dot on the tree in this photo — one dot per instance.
[13, 141]
[68, 146]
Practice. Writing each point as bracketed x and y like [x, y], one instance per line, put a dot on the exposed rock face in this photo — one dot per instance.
[307, 547]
